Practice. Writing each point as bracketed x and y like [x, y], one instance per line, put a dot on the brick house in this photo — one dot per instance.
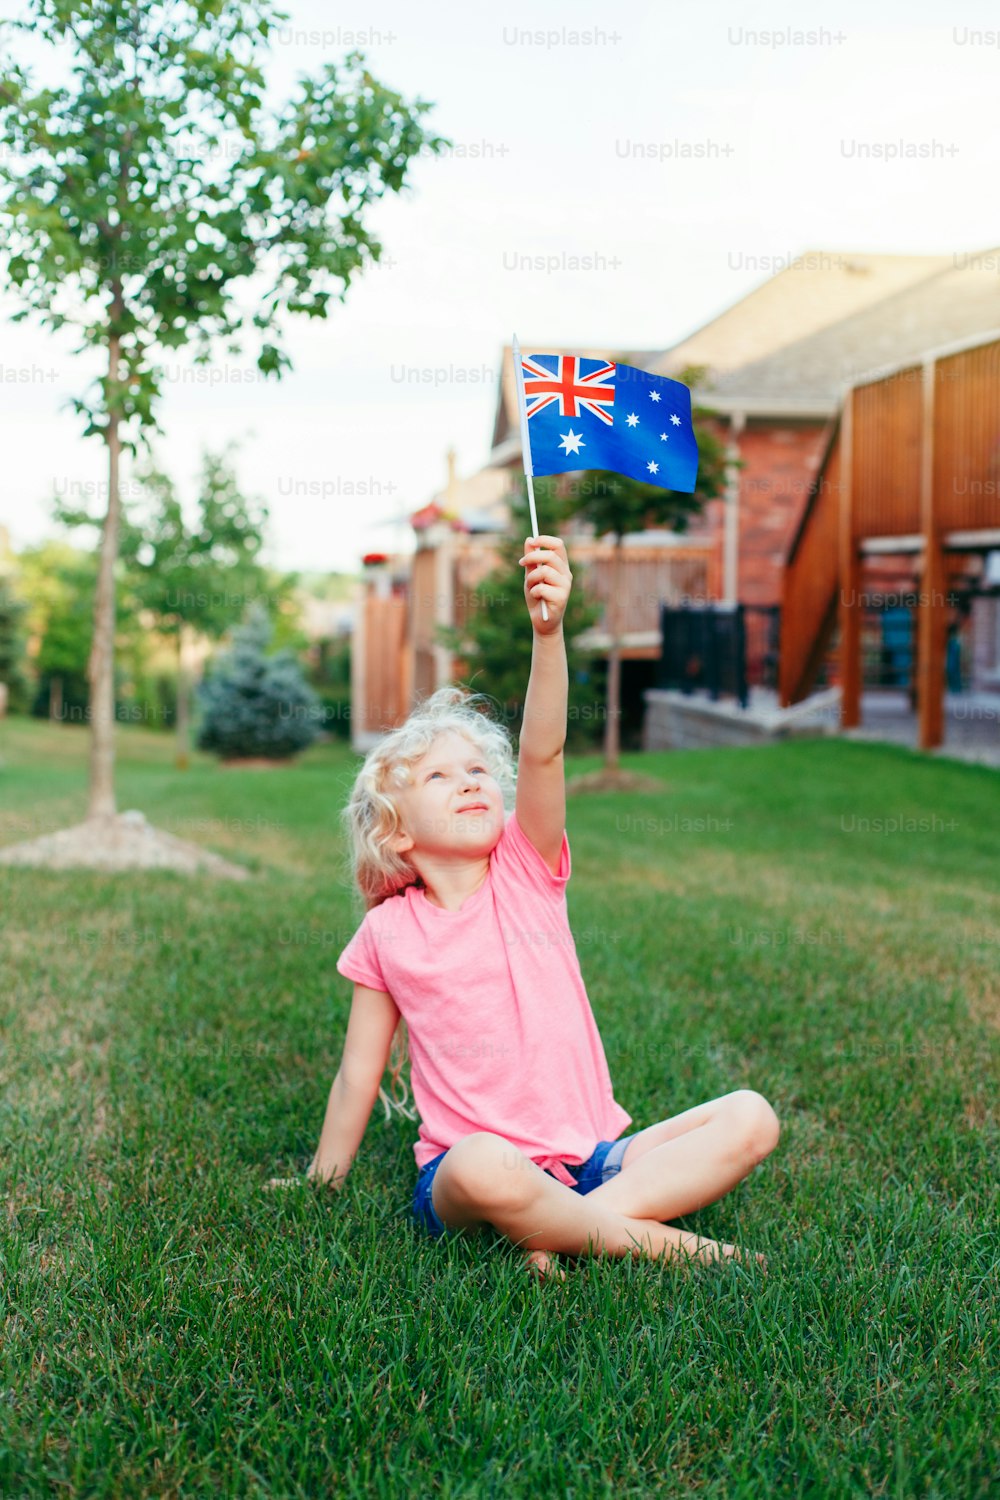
[772, 372]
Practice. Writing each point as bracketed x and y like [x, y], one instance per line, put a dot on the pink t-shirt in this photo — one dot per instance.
[501, 1033]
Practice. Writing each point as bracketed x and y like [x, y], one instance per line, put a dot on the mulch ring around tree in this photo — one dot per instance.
[125, 841]
[614, 781]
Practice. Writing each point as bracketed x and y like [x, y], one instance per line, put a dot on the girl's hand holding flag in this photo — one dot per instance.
[546, 578]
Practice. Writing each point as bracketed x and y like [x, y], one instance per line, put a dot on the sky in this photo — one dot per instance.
[618, 177]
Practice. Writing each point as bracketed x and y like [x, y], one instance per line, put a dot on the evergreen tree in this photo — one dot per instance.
[255, 704]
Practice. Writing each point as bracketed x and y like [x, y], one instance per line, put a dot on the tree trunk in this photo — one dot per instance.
[101, 666]
[55, 698]
[182, 754]
[612, 738]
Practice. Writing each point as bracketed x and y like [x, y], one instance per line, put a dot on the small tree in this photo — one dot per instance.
[191, 579]
[138, 199]
[197, 579]
[255, 704]
[13, 629]
[331, 677]
[58, 583]
[619, 505]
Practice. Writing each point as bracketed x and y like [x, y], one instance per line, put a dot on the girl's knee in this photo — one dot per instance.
[757, 1124]
[488, 1170]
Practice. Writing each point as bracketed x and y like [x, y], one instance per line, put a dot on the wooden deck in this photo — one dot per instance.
[913, 466]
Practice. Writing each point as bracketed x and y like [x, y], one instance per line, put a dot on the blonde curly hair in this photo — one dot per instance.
[371, 817]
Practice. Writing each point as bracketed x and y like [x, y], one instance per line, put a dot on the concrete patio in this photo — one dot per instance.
[677, 720]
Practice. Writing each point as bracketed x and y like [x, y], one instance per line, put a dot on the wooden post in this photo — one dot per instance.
[359, 671]
[406, 668]
[849, 606]
[932, 606]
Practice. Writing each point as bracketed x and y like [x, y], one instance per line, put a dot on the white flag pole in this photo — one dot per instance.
[526, 447]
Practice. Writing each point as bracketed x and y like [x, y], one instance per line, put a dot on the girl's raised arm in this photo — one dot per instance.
[541, 785]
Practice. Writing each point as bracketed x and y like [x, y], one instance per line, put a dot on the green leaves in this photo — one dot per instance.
[201, 574]
[272, 361]
[138, 199]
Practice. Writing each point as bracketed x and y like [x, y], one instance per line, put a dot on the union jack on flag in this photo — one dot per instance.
[574, 392]
[597, 414]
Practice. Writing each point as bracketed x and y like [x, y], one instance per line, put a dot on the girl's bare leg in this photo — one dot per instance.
[484, 1179]
[684, 1163]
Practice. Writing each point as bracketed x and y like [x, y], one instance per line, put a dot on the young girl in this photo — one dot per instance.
[466, 939]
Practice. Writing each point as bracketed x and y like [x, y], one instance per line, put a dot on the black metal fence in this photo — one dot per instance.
[719, 648]
[728, 649]
[762, 633]
[704, 647]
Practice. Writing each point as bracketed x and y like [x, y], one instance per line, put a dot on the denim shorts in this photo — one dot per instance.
[605, 1163]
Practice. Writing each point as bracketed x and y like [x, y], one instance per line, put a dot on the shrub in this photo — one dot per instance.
[254, 704]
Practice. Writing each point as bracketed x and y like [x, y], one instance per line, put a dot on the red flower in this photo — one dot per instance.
[371, 559]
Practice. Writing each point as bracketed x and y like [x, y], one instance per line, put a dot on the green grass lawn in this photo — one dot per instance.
[169, 1328]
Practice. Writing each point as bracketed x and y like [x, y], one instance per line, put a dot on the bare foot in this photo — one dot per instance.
[541, 1266]
[731, 1252]
[711, 1250]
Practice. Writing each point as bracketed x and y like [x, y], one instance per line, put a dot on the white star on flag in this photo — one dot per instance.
[633, 420]
[654, 395]
[663, 437]
[653, 468]
[675, 419]
[572, 441]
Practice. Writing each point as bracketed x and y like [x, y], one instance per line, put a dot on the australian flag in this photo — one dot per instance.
[592, 414]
